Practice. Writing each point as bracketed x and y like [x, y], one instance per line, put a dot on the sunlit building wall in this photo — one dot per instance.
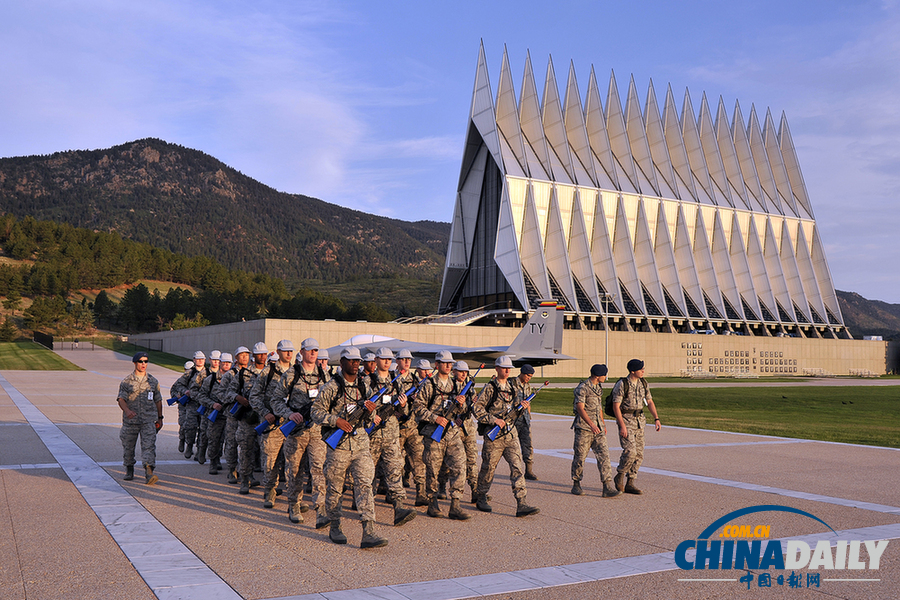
[642, 216]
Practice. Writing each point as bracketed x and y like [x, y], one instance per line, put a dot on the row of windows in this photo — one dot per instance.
[778, 369]
[729, 361]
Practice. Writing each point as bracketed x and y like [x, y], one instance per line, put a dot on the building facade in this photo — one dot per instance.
[637, 217]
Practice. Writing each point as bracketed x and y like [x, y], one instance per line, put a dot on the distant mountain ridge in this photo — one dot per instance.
[186, 201]
[869, 317]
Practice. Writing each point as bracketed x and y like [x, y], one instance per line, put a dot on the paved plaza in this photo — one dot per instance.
[71, 528]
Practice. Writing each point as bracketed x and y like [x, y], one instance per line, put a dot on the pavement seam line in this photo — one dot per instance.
[881, 508]
[77, 464]
[578, 573]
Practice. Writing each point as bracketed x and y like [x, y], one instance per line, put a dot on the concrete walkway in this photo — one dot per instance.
[73, 528]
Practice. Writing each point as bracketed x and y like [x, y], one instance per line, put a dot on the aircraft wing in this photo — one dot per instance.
[537, 343]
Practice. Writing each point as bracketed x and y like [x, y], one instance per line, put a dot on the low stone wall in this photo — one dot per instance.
[669, 354]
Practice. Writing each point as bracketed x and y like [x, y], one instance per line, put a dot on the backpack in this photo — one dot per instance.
[608, 403]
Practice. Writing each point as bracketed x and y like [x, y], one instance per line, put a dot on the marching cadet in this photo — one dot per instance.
[272, 439]
[241, 362]
[590, 432]
[522, 385]
[343, 404]
[468, 425]
[291, 399]
[496, 401]
[436, 404]
[247, 418]
[141, 403]
[384, 441]
[187, 369]
[210, 395]
[322, 361]
[411, 445]
[188, 384]
[202, 438]
[368, 363]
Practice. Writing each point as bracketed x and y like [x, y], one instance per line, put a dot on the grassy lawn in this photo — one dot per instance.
[855, 415]
[29, 356]
[162, 359]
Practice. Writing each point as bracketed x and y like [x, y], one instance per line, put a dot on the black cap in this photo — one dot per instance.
[599, 371]
[527, 370]
[635, 364]
[138, 356]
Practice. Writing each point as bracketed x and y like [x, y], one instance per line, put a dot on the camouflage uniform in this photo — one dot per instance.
[384, 441]
[230, 443]
[306, 438]
[142, 396]
[410, 439]
[190, 383]
[353, 451]
[270, 442]
[523, 423]
[432, 400]
[631, 404]
[591, 396]
[470, 441]
[245, 437]
[210, 393]
[496, 401]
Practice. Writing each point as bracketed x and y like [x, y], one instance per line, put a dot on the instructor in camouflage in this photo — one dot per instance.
[141, 403]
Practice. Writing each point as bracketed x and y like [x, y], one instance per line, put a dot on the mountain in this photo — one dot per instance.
[188, 202]
[869, 317]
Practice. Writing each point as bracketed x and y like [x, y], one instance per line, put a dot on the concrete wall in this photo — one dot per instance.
[663, 353]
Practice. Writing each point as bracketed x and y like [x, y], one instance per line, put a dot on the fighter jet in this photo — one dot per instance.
[539, 342]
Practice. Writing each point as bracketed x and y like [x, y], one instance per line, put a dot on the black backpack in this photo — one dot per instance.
[608, 403]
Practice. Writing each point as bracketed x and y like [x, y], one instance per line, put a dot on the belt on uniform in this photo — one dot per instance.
[638, 413]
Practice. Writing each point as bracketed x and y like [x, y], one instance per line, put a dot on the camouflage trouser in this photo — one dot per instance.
[309, 444]
[191, 422]
[270, 448]
[449, 451]
[585, 440]
[202, 437]
[386, 447]
[181, 413]
[231, 442]
[505, 446]
[353, 455]
[632, 446]
[523, 430]
[470, 443]
[248, 447]
[411, 444]
[215, 431]
[129, 435]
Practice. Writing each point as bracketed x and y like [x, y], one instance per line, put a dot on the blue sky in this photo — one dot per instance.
[364, 104]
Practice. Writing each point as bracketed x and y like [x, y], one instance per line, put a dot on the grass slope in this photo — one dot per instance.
[29, 356]
[854, 415]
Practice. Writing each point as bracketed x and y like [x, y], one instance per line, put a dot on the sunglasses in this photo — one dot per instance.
[143, 362]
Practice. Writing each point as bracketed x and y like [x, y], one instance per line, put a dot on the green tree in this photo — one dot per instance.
[8, 331]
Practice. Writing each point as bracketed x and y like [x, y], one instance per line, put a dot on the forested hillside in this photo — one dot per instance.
[187, 202]
[47, 266]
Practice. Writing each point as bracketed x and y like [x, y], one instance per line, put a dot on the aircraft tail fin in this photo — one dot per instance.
[542, 335]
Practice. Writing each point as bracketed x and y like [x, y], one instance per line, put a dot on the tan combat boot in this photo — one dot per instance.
[335, 534]
[369, 538]
[456, 512]
[630, 488]
[609, 489]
